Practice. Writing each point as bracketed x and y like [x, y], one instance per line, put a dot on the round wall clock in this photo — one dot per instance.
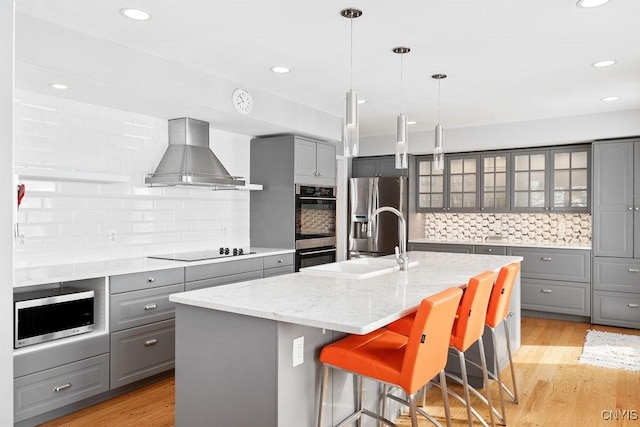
[242, 101]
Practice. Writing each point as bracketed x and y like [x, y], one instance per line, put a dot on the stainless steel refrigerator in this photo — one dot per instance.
[378, 237]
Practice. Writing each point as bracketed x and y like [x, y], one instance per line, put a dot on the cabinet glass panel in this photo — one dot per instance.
[529, 180]
[494, 190]
[463, 178]
[570, 182]
[430, 186]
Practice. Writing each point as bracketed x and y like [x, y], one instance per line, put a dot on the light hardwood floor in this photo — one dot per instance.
[554, 389]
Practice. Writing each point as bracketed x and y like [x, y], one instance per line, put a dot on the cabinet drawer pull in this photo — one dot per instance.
[489, 250]
[545, 291]
[149, 343]
[280, 261]
[546, 258]
[61, 387]
[151, 279]
[633, 305]
[151, 306]
[633, 270]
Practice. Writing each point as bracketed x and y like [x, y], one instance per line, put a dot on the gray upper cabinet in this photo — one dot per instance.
[366, 167]
[616, 199]
[456, 189]
[551, 180]
[315, 162]
[495, 169]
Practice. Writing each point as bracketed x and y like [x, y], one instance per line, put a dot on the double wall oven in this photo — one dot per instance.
[315, 225]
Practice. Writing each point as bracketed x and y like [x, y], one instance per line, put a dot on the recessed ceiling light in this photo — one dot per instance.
[591, 3]
[59, 86]
[280, 69]
[135, 14]
[362, 101]
[606, 63]
[610, 98]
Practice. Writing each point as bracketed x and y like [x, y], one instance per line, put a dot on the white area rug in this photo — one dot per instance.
[611, 350]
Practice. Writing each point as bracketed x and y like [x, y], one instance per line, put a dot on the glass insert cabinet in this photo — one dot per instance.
[523, 180]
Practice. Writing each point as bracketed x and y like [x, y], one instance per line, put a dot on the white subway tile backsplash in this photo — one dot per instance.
[71, 221]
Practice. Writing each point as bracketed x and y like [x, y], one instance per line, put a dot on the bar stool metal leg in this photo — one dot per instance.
[323, 394]
[485, 378]
[513, 395]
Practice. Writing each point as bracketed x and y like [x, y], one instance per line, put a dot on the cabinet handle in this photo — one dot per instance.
[637, 208]
[546, 258]
[151, 306]
[545, 291]
[149, 343]
[633, 305]
[633, 270]
[630, 208]
[151, 279]
[489, 250]
[61, 387]
[280, 261]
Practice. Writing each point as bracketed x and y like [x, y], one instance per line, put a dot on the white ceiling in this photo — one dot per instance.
[506, 60]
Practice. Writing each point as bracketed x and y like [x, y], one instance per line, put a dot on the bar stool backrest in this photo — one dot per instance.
[428, 342]
[501, 294]
[469, 326]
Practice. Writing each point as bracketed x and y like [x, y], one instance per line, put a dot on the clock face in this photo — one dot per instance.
[242, 101]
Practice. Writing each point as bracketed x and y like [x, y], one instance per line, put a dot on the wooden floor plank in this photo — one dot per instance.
[555, 390]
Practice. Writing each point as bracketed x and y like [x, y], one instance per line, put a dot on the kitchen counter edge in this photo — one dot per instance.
[41, 275]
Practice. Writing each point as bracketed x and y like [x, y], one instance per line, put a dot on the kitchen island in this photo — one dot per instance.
[235, 347]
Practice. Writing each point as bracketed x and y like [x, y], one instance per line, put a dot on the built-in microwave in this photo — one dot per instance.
[50, 314]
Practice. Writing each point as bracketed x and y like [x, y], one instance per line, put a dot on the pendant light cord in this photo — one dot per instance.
[401, 78]
[351, 82]
[439, 121]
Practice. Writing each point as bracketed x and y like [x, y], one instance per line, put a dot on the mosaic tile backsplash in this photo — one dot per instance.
[526, 227]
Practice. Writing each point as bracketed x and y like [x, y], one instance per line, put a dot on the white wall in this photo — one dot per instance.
[556, 131]
[65, 222]
[7, 190]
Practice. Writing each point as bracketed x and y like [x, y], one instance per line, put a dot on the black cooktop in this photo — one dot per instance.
[203, 255]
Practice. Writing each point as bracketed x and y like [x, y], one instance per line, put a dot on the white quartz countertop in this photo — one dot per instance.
[508, 242]
[88, 270]
[346, 305]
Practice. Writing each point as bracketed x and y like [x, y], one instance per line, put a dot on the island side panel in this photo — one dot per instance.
[225, 369]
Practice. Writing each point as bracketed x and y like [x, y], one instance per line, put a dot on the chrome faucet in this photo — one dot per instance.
[401, 252]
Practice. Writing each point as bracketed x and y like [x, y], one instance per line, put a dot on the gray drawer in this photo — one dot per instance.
[137, 308]
[556, 297]
[278, 271]
[146, 280]
[50, 357]
[218, 269]
[273, 261]
[554, 264]
[616, 274]
[441, 247]
[490, 250]
[616, 309]
[140, 352]
[54, 388]
[224, 280]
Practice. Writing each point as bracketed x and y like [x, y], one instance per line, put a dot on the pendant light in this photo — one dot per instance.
[438, 152]
[351, 131]
[402, 134]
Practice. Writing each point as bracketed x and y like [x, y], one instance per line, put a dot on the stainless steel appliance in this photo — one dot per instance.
[379, 237]
[49, 314]
[315, 225]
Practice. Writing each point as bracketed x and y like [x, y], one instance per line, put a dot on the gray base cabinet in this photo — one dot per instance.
[53, 388]
[555, 280]
[441, 247]
[141, 352]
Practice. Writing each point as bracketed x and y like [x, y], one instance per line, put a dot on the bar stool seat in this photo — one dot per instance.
[408, 362]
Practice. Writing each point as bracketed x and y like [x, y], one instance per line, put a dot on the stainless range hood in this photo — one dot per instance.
[189, 160]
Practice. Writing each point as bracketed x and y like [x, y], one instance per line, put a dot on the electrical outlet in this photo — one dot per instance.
[112, 236]
[22, 239]
[298, 351]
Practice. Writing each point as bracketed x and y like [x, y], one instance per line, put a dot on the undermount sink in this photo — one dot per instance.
[359, 268]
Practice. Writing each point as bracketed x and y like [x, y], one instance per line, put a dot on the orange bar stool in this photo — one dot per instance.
[467, 329]
[497, 313]
[408, 362]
